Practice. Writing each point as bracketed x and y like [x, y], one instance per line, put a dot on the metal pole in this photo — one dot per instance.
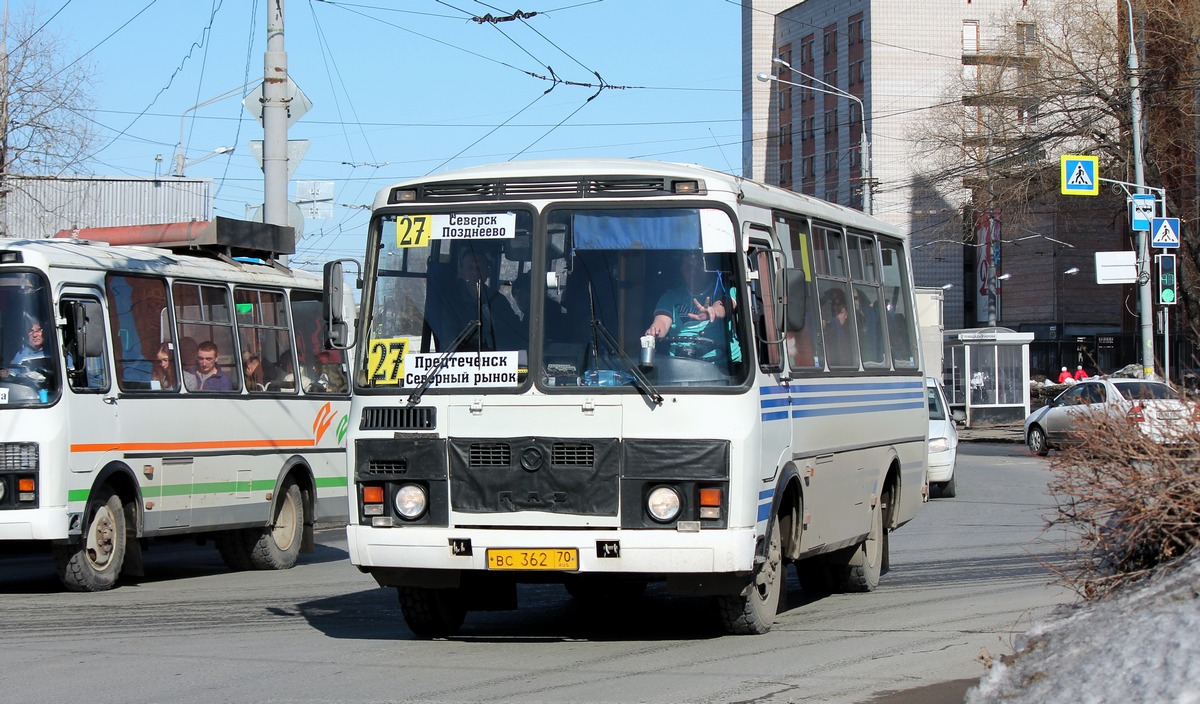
[1145, 307]
[275, 110]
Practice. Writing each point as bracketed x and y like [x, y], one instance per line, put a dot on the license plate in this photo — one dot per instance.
[533, 559]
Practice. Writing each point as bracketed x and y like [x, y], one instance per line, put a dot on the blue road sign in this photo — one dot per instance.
[1164, 233]
[1143, 211]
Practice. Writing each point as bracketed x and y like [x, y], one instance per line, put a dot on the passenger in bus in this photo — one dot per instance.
[457, 304]
[868, 327]
[208, 375]
[554, 321]
[30, 362]
[254, 373]
[162, 377]
[287, 373]
[838, 338]
[697, 309]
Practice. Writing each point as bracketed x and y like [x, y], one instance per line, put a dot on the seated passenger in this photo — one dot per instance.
[208, 375]
[467, 298]
[162, 377]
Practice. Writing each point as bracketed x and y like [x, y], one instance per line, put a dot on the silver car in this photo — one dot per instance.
[1154, 407]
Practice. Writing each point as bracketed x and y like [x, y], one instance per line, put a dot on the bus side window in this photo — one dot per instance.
[135, 310]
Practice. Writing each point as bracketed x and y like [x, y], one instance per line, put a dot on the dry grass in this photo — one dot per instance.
[1134, 504]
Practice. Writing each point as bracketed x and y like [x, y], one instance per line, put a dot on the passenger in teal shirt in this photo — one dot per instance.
[699, 308]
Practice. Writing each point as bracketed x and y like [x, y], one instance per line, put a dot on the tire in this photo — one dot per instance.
[753, 611]
[861, 571]
[947, 490]
[235, 547]
[92, 562]
[432, 613]
[277, 546]
[814, 576]
[1037, 442]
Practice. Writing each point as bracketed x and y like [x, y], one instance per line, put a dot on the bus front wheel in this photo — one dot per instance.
[93, 562]
[278, 545]
[432, 613]
[753, 611]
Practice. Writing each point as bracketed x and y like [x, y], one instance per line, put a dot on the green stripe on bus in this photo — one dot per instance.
[157, 492]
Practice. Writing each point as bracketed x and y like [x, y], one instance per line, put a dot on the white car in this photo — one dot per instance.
[1155, 408]
[943, 440]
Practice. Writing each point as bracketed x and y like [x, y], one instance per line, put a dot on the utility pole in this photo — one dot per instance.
[1145, 307]
[275, 113]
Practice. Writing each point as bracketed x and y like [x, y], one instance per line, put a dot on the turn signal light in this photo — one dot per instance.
[710, 503]
[372, 494]
[25, 484]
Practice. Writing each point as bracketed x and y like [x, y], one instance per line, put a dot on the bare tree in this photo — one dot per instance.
[44, 102]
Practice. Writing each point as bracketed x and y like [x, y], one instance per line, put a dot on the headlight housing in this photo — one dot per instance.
[411, 501]
[664, 504]
[938, 444]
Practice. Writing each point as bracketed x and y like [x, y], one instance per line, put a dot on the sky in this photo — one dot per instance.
[400, 89]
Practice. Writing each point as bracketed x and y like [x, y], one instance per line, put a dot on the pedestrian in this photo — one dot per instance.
[1064, 376]
[1080, 375]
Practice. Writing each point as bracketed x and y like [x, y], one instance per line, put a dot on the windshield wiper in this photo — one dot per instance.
[641, 382]
[463, 336]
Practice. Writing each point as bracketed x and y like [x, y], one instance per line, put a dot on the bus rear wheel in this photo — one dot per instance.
[274, 547]
[93, 562]
[864, 563]
[432, 613]
[753, 611]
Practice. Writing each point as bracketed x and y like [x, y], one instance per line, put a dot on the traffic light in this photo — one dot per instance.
[1166, 279]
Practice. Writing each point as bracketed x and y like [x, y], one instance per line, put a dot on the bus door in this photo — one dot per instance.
[89, 392]
[763, 261]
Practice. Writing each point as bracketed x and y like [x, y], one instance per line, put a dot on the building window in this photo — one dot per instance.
[830, 42]
[807, 167]
[1027, 117]
[785, 173]
[830, 121]
[806, 127]
[831, 161]
[830, 78]
[785, 135]
[855, 30]
[1026, 35]
[855, 155]
[970, 37]
[831, 195]
[785, 97]
[806, 52]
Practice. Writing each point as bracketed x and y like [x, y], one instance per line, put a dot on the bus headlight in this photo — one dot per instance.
[411, 502]
[663, 504]
[3, 489]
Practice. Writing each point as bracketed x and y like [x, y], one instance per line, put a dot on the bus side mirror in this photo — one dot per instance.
[85, 337]
[333, 308]
[793, 282]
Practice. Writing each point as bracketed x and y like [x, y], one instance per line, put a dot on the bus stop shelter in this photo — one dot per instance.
[986, 374]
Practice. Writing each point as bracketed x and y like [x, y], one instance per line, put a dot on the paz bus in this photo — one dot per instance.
[157, 391]
[615, 372]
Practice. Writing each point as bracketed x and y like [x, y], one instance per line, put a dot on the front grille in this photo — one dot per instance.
[18, 457]
[489, 455]
[386, 468]
[411, 418]
[573, 455]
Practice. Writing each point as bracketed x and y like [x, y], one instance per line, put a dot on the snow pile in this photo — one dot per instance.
[1141, 645]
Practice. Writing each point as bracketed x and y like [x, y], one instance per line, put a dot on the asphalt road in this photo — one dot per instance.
[967, 575]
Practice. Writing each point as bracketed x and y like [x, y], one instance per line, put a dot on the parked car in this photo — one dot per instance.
[1156, 409]
[943, 441]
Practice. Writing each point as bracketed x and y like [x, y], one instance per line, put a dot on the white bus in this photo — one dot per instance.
[606, 373]
[148, 393]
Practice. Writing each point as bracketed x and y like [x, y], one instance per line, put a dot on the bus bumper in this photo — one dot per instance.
[34, 524]
[635, 552]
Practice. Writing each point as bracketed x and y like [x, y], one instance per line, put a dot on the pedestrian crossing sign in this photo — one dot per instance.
[1164, 233]
[1080, 175]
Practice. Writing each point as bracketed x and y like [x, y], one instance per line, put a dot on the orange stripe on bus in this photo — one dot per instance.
[176, 446]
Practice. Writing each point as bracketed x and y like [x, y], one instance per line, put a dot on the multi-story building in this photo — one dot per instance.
[858, 83]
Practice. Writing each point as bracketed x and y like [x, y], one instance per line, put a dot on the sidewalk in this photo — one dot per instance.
[993, 433]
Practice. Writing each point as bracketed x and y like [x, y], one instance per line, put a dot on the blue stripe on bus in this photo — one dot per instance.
[766, 494]
[850, 410]
[907, 395]
[764, 506]
[764, 511]
[768, 390]
[851, 386]
[775, 415]
[774, 402]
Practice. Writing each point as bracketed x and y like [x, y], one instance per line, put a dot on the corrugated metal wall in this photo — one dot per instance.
[33, 208]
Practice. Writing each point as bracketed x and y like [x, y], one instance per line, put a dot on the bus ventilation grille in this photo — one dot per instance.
[417, 418]
[576, 455]
[490, 455]
[625, 186]
[386, 468]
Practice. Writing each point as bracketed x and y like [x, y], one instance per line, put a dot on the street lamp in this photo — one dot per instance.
[180, 164]
[179, 157]
[1062, 308]
[947, 287]
[994, 301]
[864, 136]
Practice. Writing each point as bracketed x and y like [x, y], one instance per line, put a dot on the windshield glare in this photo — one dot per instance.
[622, 292]
[29, 373]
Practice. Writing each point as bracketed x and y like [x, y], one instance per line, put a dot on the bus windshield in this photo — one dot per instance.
[458, 304]
[28, 365]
